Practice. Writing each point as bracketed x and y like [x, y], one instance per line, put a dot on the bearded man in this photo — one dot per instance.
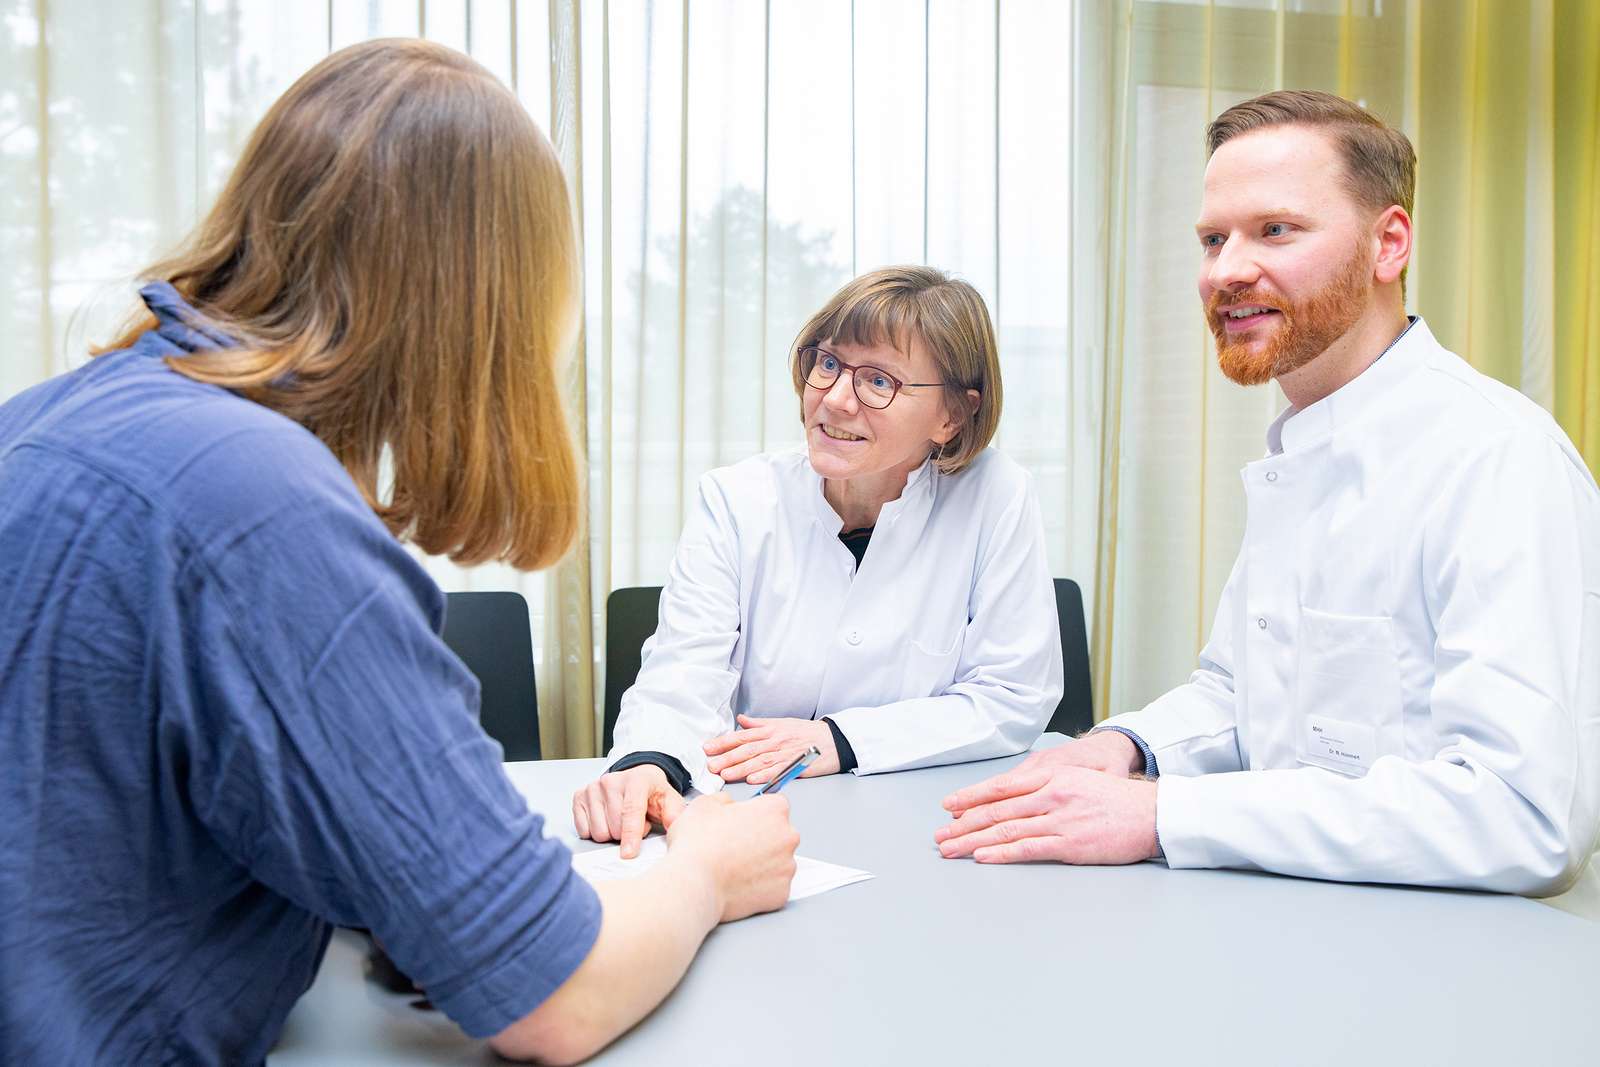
[1402, 683]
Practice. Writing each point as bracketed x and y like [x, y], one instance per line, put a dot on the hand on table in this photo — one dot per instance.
[747, 848]
[1105, 751]
[765, 746]
[621, 805]
[1066, 813]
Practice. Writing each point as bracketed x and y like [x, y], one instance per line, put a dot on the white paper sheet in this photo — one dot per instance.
[810, 877]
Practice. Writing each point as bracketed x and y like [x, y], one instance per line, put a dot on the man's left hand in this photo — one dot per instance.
[766, 746]
[1067, 814]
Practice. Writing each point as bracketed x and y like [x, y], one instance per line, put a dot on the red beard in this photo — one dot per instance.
[1309, 326]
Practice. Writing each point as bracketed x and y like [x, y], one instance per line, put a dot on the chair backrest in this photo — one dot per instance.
[490, 632]
[630, 619]
[1075, 713]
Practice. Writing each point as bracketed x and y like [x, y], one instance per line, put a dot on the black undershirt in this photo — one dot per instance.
[678, 775]
[856, 542]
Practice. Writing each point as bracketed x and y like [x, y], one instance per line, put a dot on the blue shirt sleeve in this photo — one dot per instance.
[1151, 769]
[335, 752]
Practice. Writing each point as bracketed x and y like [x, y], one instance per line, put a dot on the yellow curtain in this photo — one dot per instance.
[567, 682]
[1508, 205]
[1576, 64]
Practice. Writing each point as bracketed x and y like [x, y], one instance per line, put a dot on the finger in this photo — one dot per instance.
[599, 828]
[672, 805]
[720, 746]
[1002, 833]
[1001, 786]
[605, 805]
[742, 754]
[631, 827]
[762, 763]
[580, 816]
[1028, 850]
[747, 722]
[770, 765]
[722, 742]
[986, 815]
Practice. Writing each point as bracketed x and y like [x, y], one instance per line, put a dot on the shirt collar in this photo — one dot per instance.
[180, 323]
[1298, 428]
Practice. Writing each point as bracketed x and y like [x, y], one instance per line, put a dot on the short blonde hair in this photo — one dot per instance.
[395, 254]
[895, 304]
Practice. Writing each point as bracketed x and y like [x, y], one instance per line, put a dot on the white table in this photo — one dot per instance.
[939, 961]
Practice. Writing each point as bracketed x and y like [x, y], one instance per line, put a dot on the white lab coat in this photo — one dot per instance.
[1420, 579]
[944, 647]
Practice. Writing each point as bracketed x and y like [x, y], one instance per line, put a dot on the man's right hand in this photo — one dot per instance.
[621, 805]
[746, 847]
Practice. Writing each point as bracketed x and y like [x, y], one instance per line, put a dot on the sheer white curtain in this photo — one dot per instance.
[732, 163]
[742, 160]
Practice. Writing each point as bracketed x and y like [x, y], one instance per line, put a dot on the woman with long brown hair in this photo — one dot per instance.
[227, 720]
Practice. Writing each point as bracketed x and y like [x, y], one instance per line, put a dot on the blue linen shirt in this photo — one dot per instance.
[227, 721]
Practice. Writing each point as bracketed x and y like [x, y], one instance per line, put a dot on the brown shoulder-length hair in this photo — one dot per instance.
[395, 254]
[893, 304]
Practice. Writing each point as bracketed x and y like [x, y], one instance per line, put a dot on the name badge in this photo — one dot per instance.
[1341, 746]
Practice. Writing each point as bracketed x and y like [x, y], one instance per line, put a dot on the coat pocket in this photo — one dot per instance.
[930, 662]
[1348, 700]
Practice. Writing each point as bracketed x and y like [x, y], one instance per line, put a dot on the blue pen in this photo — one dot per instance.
[791, 772]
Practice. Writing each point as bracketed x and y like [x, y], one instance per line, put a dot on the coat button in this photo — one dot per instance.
[854, 637]
[1261, 624]
[1272, 476]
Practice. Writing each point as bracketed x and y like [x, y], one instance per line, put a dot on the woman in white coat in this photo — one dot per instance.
[883, 595]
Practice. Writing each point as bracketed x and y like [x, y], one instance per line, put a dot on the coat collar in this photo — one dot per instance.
[1297, 429]
[915, 498]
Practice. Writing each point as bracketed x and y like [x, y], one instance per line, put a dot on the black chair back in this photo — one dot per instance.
[491, 634]
[1075, 713]
[630, 618]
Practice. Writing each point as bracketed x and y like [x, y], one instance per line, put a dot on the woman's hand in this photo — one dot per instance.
[766, 746]
[747, 849]
[622, 804]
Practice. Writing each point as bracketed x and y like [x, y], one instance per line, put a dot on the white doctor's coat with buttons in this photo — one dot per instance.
[1405, 662]
[944, 647]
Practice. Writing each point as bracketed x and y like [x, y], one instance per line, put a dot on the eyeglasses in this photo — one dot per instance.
[874, 387]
